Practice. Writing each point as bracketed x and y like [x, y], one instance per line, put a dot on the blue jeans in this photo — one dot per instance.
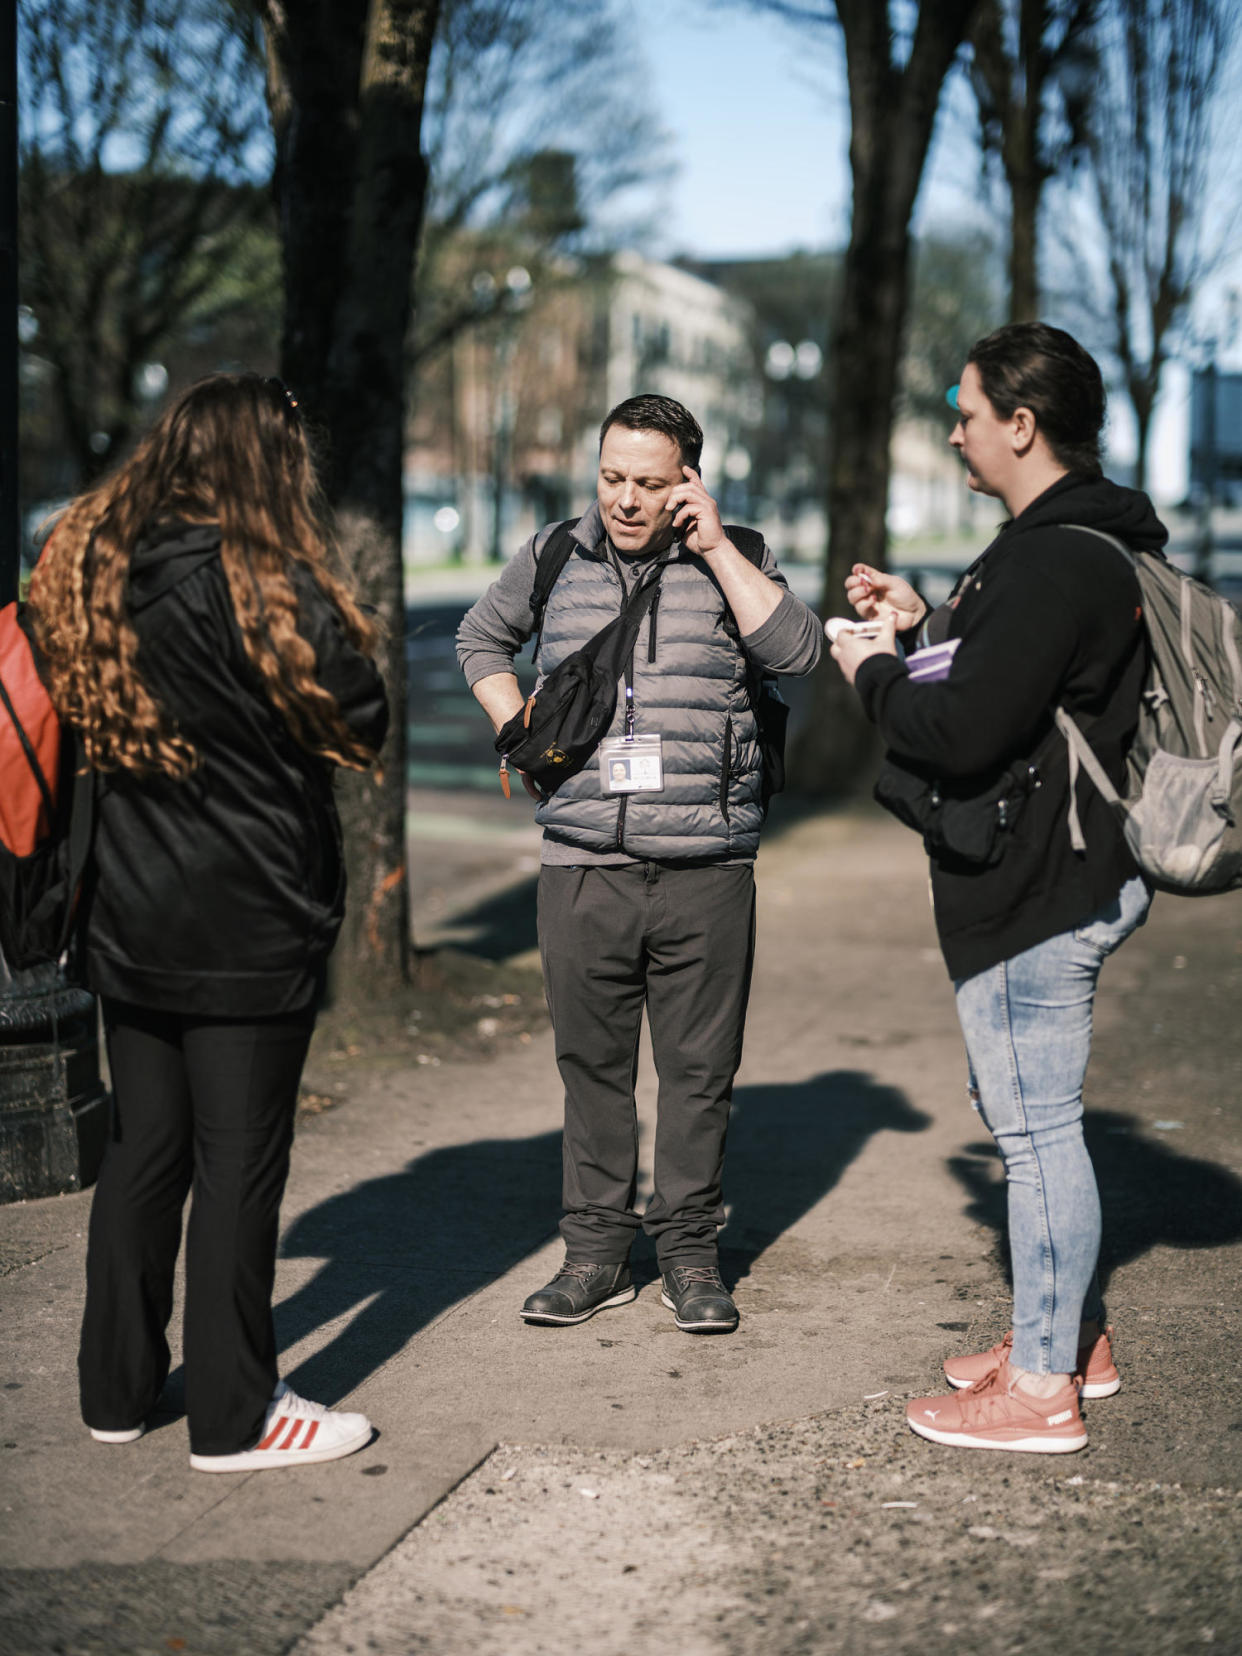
[1027, 1024]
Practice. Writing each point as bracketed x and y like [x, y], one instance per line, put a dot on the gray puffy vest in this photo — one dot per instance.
[692, 686]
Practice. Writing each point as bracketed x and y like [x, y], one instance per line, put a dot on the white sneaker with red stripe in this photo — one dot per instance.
[295, 1433]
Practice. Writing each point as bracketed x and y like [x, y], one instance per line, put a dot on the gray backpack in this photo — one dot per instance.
[1182, 811]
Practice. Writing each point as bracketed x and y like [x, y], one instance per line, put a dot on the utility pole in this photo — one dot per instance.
[53, 1108]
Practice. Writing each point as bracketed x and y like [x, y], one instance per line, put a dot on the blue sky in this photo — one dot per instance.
[759, 131]
[759, 116]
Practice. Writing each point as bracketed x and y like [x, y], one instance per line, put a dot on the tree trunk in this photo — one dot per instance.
[1011, 89]
[892, 112]
[1025, 188]
[345, 87]
[1143, 400]
[1024, 172]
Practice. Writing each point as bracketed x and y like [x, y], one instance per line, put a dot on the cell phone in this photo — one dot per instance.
[835, 625]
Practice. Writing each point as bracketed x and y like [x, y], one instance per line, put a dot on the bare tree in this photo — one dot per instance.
[896, 60]
[142, 131]
[346, 86]
[1031, 75]
[1158, 177]
[565, 171]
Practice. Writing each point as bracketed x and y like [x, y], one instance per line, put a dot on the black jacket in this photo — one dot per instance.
[223, 893]
[1049, 616]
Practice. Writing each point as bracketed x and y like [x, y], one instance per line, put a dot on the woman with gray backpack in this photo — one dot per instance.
[1034, 881]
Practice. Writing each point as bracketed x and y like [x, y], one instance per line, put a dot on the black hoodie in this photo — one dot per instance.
[223, 893]
[1048, 616]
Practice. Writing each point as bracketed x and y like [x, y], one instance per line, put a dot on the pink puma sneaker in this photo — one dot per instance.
[1095, 1366]
[995, 1414]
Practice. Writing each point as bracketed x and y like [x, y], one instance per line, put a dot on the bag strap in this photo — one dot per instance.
[553, 556]
[643, 599]
[1080, 750]
[81, 836]
[749, 542]
[1082, 753]
[1102, 534]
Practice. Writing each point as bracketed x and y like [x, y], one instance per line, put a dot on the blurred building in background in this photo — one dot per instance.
[505, 430]
[504, 434]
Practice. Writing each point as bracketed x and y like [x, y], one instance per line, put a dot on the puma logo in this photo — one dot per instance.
[931, 1413]
[1060, 1419]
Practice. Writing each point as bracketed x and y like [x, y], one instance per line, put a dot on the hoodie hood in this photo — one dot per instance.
[1096, 503]
[168, 553]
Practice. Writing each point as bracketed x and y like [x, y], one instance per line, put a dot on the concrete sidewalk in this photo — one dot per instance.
[863, 1238]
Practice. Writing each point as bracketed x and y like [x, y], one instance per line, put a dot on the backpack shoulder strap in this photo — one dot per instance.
[1080, 750]
[749, 542]
[551, 560]
[1102, 534]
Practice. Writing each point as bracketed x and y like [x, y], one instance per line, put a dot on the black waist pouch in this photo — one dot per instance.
[555, 734]
[957, 819]
[562, 724]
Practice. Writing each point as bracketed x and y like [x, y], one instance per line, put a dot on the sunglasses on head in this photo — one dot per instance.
[277, 384]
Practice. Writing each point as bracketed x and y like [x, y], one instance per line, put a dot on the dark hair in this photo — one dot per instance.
[651, 413]
[1031, 365]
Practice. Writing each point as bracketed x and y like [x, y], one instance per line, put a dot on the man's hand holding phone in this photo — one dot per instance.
[696, 517]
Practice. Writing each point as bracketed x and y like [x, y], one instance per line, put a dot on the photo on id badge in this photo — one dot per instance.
[631, 764]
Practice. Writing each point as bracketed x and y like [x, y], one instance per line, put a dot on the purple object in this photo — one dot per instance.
[931, 665]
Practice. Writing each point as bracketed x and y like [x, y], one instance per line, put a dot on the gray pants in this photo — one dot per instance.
[681, 942]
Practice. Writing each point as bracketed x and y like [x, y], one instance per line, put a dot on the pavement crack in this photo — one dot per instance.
[12, 1267]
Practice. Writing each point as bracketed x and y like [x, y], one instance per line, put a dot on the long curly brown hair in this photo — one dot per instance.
[231, 451]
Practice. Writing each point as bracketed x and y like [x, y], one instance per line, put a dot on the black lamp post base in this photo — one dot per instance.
[54, 1108]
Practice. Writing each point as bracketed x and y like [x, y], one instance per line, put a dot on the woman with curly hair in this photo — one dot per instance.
[217, 671]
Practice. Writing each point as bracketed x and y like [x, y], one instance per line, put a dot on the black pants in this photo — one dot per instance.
[205, 1104]
[681, 942]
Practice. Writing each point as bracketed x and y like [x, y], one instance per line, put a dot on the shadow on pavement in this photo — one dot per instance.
[501, 925]
[400, 1250]
[789, 1145]
[1150, 1193]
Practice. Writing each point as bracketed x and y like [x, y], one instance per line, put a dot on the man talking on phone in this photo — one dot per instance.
[646, 890]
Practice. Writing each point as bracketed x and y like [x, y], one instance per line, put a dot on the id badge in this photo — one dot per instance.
[633, 764]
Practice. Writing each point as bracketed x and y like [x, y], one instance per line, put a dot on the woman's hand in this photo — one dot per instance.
[876, 595]
[850, 650]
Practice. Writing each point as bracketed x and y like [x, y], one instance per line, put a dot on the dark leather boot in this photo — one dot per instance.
[578, 1291]
[699, 1301]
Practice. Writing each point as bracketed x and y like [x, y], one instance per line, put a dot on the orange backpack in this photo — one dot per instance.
[45, 812]
[29, 741]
